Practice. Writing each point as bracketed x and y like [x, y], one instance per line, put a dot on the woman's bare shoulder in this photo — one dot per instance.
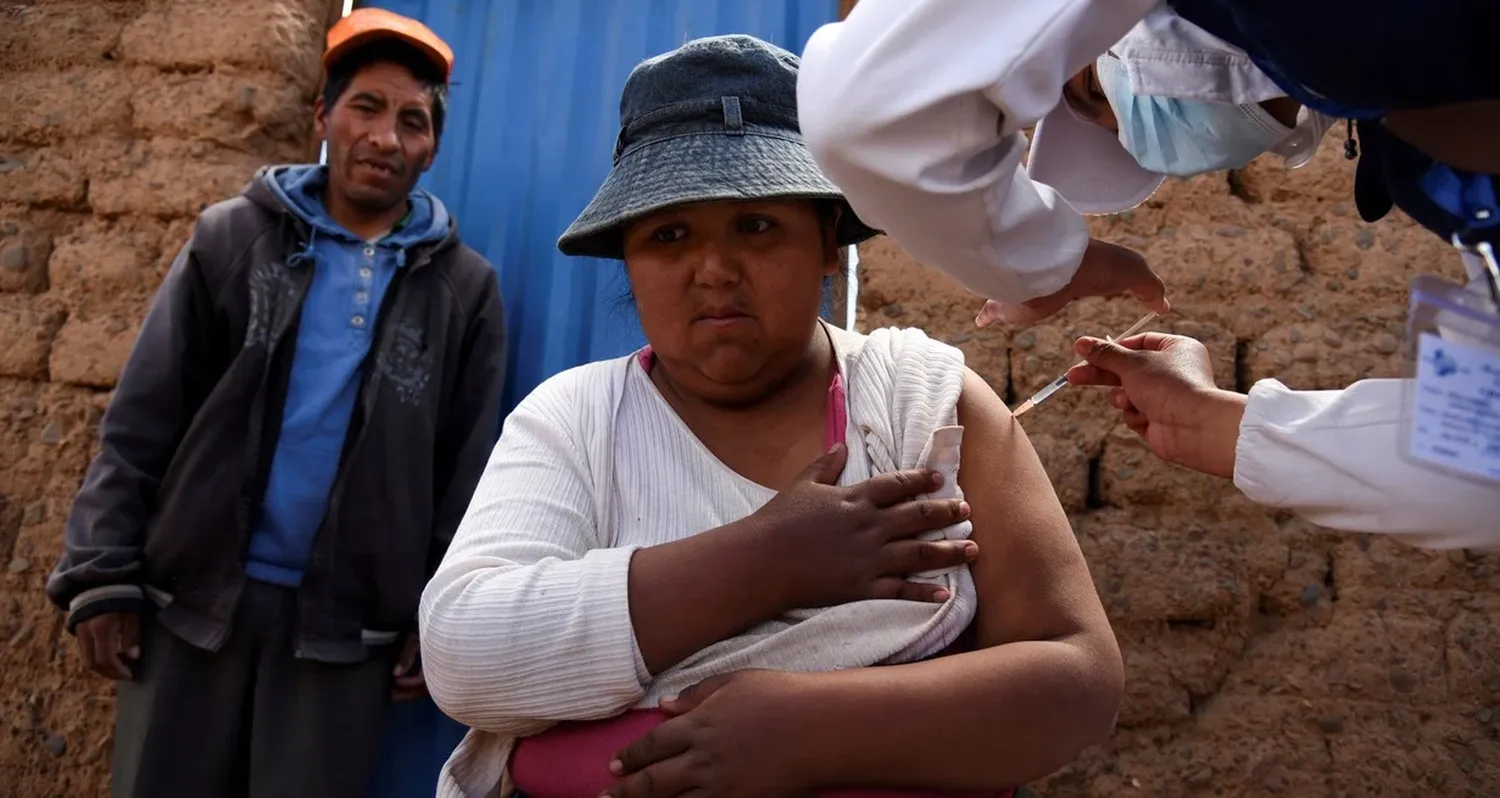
[979, 400]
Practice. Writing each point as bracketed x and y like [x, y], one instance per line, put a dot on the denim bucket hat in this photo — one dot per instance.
[713, 120]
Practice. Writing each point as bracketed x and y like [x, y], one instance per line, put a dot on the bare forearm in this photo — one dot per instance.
[990, 719]
[692, 593]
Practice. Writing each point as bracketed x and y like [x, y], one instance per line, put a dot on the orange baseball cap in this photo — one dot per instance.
[368, 24]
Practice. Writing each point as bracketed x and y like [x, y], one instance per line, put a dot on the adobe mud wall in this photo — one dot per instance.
[1263, 655]
[119, 120]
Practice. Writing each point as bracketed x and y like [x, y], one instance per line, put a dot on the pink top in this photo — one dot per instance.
[571, 759]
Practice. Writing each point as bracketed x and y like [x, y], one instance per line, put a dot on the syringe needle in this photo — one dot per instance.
[1137, 327]
[1057, 384]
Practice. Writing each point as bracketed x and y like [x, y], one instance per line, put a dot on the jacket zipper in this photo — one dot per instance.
[368, 391]
[260, 463]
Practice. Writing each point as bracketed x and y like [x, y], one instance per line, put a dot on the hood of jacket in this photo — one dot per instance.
[296, 191]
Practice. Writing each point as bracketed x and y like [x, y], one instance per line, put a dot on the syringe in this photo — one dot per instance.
[1057, 384]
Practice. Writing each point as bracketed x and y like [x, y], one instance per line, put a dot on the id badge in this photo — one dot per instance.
[1451, 419]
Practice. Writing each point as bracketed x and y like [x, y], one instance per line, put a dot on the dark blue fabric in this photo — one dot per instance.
[1460, 194]
[336, 327]
[1364, 55]
[418, 740]
[1444, 200]
[1357, 59]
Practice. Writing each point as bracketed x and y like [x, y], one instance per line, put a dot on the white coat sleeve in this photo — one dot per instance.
[528, 617]
[1333, 457]
[915, 109]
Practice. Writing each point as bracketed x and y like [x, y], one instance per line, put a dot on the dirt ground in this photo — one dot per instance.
[1264, 656]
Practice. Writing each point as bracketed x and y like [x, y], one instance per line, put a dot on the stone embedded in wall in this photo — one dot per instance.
[46, 177]
[240, 110]
[203, 34]
[1229, 745]
[1371, 561]
[61, 34]
[1152, 695]
[1200, 759]
[1114, 767]
[1180, 565]
[69, 417]
[1361, 654]
[1209, 198]
[1439, 605]
[46, 434]
[1472, 654]
[1306, 586]
[26, 334]
[42, 107]
[24, 250]
[1171, 667]
[1425, 750]
[1360, 264]
[64, 730]
[1353, 261]
[1129, 474]
[1325, 187]
[1242, 279]
[91, 352]
[103, 263]
[1331, 354]
[162, 177]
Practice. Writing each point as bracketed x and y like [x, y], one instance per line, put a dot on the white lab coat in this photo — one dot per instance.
[1332, 457]
[915, 109]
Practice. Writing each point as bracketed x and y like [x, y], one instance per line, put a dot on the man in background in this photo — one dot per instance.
[293, 440]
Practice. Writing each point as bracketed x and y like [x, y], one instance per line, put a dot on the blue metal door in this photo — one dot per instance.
[533, 114]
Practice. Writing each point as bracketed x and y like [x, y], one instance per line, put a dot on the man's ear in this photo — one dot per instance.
[320, 120]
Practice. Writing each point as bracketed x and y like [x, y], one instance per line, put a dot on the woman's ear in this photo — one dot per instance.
[833, 260]
[833, 257]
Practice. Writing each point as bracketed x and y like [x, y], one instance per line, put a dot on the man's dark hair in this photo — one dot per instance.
[396, 52]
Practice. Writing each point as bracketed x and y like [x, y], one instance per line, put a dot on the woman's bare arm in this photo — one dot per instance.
[1047, 680]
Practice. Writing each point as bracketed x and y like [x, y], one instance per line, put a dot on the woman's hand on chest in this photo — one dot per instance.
[728, 736]
[821, 544]
[815, 544]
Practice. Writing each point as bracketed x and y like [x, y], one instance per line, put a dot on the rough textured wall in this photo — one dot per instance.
[1263, 655]
[119, 120]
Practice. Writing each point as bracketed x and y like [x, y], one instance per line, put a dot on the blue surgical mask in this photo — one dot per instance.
[1178, 137]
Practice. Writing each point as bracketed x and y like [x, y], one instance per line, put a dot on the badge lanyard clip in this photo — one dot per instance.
[1485, 251]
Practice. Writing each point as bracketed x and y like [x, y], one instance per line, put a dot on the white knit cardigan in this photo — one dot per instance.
[526, 622]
